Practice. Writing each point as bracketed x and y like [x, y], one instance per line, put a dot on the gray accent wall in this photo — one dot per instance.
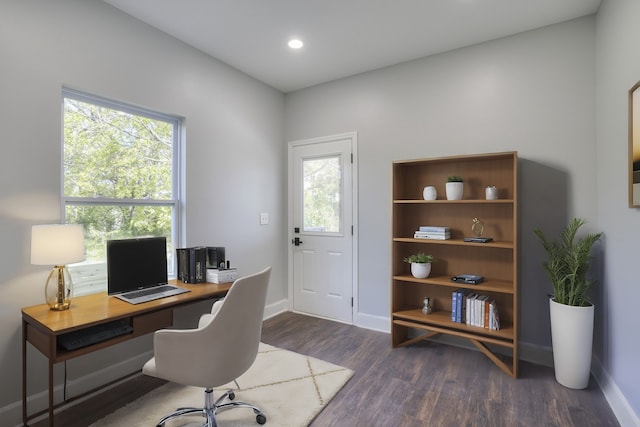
[618, 335]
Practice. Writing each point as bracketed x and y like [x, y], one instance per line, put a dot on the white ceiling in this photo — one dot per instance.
[342, 37]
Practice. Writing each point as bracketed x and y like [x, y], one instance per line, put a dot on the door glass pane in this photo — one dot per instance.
[322, 195]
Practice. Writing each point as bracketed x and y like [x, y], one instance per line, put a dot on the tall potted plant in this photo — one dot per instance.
[571, 311]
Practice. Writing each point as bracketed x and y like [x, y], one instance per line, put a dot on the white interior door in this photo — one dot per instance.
[321, 227]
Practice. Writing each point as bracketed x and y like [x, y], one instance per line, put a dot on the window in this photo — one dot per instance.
[120, 179]
[322, 188]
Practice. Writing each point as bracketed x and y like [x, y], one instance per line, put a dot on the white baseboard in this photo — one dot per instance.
[538, 354]
[617, 401]
[276, 308]
[375, 323]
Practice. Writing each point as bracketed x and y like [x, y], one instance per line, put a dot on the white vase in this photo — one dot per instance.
[491, 193]
[420, 270]
[429, 193]
[572, 341]
[454, 190]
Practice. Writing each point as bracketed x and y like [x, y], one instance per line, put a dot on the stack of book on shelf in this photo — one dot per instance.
[474, 309]
[432, 232]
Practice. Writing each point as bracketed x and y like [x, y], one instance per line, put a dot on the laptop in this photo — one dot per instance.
[137, 270]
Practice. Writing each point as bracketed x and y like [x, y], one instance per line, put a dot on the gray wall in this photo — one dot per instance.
[618, 69]
[234, 157]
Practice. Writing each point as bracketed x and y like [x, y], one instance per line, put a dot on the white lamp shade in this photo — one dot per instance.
[57, 244]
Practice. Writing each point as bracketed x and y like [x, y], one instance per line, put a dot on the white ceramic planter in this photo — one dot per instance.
[454, 190]
[420, 270]
[572, 340]
[429, 193]
[491, 193]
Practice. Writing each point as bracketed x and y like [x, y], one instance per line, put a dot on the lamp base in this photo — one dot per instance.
[58, 289]
[60, 306]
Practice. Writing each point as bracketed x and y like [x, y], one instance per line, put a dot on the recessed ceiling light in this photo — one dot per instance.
[295, 44]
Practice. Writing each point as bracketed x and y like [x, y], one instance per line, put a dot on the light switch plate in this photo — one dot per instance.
[264, 218]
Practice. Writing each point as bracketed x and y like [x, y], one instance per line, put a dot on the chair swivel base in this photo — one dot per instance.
[210, 409]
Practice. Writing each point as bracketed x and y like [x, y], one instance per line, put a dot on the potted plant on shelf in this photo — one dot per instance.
[454, 187]
[571, 311]
[420, 264]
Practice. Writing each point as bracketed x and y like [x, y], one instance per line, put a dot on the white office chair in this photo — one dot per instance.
[222, 348]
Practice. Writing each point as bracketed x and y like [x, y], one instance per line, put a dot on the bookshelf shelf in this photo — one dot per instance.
[454, 202]
[489, 285]
[460, 242]
[495, 260]
[442, 318]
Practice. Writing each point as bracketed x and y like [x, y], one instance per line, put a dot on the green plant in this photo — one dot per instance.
[419, 258]
[455, 178]
[568, 263]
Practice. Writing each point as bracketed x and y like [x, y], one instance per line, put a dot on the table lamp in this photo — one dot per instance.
[57, 245]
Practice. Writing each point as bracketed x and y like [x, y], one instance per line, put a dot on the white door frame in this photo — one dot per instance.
[353, 136]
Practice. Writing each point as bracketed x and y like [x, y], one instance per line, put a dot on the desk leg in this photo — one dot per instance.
[24, 373]
[50, 393]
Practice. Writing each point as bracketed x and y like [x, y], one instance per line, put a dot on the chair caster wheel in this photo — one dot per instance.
[261, 419]
[231, 395]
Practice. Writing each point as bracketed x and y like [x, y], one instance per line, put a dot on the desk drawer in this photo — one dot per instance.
[39, 339]
[151, 322]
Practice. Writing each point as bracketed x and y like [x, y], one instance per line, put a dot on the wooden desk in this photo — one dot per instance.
[41, 326]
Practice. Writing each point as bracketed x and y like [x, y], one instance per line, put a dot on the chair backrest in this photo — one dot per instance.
[233, 336]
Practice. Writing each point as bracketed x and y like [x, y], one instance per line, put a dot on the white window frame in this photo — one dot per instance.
[82, 286]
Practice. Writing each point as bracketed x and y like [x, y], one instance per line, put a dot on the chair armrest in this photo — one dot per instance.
[206, 318]
[216, 306]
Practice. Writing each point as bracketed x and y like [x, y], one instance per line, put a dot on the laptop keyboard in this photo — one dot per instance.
[150, 291]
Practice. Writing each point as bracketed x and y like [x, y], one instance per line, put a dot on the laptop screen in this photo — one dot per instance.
[136, 264]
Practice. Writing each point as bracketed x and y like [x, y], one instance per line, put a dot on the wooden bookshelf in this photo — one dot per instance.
[495, 260]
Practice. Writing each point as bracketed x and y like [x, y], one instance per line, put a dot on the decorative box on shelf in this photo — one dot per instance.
[215, 275]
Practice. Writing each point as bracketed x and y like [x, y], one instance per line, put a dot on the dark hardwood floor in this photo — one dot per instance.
[427, 384]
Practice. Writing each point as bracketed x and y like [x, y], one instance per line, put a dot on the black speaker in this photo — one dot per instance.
[215, 257]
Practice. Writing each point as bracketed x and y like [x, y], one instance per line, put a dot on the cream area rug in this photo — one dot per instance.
[290, 388]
